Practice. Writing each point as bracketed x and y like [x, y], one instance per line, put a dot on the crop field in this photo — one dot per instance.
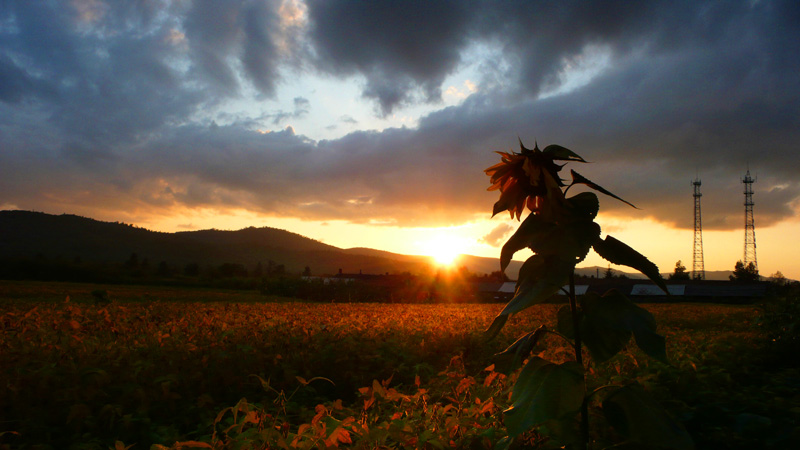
[181, 368]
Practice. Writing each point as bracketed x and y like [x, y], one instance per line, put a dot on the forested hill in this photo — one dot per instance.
[32, 235]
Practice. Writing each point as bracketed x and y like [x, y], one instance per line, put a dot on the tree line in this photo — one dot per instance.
[741, 273]
[270, 278]
[140, 270]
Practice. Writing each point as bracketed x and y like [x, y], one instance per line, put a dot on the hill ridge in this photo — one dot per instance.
[31, 234]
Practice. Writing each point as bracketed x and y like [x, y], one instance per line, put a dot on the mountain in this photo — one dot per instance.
[718, 274]
[30, 235]
[600, 272]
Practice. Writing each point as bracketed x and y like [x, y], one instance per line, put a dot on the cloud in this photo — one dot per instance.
[469, 88]
[301, 104]
[260, 47]
[110, 109]
[403, 49]
[18, 83]
[301, 108]
[260, 37]
[497, 235]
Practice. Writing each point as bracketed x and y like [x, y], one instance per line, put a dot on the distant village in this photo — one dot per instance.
[451, 287]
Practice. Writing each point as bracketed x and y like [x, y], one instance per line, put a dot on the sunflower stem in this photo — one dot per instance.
[573, 306]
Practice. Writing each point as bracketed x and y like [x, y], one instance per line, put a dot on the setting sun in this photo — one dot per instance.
[444, 249]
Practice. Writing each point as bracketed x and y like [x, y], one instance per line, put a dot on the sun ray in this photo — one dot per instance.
[444, 249]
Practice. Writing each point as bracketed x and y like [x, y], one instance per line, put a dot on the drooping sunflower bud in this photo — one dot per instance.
[529, 178]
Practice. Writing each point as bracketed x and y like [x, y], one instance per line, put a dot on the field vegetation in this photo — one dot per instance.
[146, 367]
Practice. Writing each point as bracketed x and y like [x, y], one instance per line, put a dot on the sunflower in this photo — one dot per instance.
[528, 178]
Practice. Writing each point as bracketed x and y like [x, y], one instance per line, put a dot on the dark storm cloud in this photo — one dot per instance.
[18, 83]
[98, 84]
[212, 30]
[404, 49]
[261, 52]
[107, 106]
[222, 35]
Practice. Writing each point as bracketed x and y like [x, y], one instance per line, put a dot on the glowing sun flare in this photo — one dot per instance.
[444, 250]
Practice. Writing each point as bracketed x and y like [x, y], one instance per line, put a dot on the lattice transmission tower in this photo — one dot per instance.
[749, 223]
[698, 269]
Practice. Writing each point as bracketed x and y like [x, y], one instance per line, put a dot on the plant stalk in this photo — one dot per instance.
[573, 306]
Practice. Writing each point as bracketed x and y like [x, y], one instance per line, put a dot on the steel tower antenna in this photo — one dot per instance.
[749, 223]
[698, 269]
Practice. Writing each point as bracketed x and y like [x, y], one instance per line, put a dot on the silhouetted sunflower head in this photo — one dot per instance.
[528, 178]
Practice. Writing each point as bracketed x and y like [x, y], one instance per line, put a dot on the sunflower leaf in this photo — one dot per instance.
[560, 153]
[584, 205]
[544, 391]
[580, 179]
[639, 418]
[609, 321]
[495, 327]
[539, 278]
[620, 253]
[533, 225]
[512, 357]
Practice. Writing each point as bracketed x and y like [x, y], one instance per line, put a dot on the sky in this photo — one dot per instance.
[369, 124]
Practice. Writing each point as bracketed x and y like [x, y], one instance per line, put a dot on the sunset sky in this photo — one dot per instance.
[369, 124]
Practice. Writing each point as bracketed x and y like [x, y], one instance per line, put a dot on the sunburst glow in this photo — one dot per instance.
[445, 249]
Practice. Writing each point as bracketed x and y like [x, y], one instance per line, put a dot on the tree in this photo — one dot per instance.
[778, 278]
[132, 262]
[163, 270]
[498, 276]
[560, 230]
[744, 273]
[229, 270]
[680, 272]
